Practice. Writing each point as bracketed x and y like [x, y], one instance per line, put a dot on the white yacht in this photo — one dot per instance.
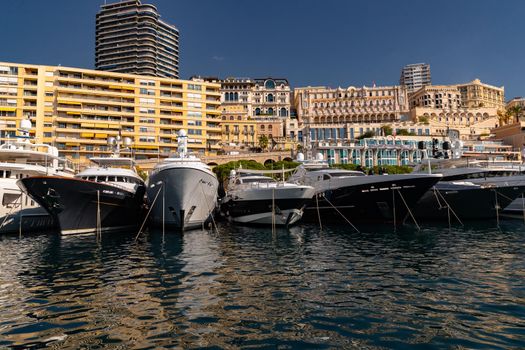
[182, 190]
[108, 197]
[252, 198]
[21, 158]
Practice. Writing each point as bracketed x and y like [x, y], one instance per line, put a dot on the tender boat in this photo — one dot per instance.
[105, 198]
[182, 191]
[252, 198]
[346, 195]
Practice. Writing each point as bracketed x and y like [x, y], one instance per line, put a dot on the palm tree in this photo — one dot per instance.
[516, 112]
[504, 116]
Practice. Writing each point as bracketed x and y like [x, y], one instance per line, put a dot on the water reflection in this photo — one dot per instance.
[296, 288]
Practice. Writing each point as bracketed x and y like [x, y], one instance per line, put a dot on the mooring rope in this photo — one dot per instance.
[149, 211]
[207, 206]
[408, 208]
[344, 217]
[448, 206]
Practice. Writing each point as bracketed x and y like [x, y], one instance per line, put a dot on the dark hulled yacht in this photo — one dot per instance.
[359, 197]
[108, 197]
[473, 191]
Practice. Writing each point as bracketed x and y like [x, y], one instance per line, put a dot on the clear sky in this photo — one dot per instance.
[323, 42]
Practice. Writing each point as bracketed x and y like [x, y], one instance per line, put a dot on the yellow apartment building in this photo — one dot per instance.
[478, 94]
[238, 129]
[77, 109]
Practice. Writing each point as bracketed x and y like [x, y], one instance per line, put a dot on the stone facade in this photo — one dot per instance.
[238, 129]
[260, 97]
[477, 94]
[319, 105]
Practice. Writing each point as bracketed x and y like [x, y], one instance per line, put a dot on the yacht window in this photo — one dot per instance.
[8, 174]
[326, 177]
[92, 178]
[120, 179]
[10, 200]
[345, 174]
[111, 178]
[260, 180]
[101, 178]
[1, 173]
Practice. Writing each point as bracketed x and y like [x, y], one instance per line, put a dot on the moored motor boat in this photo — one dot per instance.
[454, 200]
[252, 198]
[105, 198]
[346, 195]
[20, 157]
[182, 191]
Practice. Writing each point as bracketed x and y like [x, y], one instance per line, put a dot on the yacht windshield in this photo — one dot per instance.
[258, 179]
[346, 174]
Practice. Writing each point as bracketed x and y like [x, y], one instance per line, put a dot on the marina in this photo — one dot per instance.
[194, 175]
[182, 193]
[308, 257]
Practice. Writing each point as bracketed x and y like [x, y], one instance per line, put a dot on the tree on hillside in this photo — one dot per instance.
[263, 142]
[504, 117]
[387, 130]
[367, 135]
[405, 132]
[516, 112]
[423, 119]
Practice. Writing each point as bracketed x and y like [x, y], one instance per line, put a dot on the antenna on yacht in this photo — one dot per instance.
[118, 142]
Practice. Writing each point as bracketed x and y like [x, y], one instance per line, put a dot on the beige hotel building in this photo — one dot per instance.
[337, 114]
[77, 109]
[469, 108]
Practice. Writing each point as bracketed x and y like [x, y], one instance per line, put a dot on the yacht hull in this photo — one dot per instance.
[80, 206]
[187, 197]
[30, 220]
[255, 206]
[466, 202]
[386, 199]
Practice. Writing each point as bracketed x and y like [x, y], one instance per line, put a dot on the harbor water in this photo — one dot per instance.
[250, 287]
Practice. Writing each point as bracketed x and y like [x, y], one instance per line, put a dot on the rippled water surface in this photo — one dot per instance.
[246, 287]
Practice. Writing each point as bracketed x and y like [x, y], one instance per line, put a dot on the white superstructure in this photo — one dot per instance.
[20, 158]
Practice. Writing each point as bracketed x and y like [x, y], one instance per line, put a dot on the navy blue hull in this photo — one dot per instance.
[74, 203]
[467, 203]
[380, 202]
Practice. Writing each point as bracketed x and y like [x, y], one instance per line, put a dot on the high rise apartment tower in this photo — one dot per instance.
[415, 76]
[131, 38]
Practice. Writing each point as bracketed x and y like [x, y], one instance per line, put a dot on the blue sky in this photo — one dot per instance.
[328, 42]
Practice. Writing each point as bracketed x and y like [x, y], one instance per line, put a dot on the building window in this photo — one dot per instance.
[257, 111]
[270, 98]
[269, 84]
[283, 112]
[270, 111]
